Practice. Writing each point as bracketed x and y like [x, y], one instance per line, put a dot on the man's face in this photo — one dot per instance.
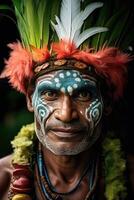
[68, 108]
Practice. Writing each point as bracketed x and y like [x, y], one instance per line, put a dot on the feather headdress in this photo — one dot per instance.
[66, 29]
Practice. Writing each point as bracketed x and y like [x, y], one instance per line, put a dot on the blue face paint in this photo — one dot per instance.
[67, 82]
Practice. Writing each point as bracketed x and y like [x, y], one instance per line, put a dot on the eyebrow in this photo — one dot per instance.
[87, 87]
[46, 85]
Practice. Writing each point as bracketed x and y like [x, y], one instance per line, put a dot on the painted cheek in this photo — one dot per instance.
[41, 109]
[94, 112]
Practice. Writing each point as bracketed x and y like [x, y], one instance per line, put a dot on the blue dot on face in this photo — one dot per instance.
[63, 89]
[70, 89]
[58, 85]
[61, 75]
[78, 79]
[68, 73]
[57, 80]
[75, 86]
[74, 74]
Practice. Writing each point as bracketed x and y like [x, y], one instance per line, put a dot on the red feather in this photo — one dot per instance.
[64, 49]
[18, 67]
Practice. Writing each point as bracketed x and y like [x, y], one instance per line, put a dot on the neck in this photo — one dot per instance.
[68, 168]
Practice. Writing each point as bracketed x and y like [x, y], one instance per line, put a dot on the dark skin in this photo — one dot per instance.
[64, 176]
[5, 176]
[65, 170]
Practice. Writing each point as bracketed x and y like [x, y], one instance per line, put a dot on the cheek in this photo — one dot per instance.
[41, 109]
[94, 112]
[42, 112]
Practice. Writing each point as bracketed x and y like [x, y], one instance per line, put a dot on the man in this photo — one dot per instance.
[70, 91]
[68, 106]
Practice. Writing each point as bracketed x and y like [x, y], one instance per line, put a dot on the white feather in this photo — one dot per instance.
[60, 26]
[71, 20]
[88, 33]
[59, 34]
[79, 19]
[69, 9]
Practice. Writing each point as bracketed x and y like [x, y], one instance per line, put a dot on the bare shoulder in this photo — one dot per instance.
[5, 165]
[5, 160]
[5, 175]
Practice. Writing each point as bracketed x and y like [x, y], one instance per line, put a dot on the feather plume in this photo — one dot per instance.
[18, 67]
[71, 20]
[40, 55]
[111, 65]
[64, 49]
[88, 33]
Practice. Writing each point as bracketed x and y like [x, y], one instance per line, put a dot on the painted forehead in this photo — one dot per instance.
[66, 81]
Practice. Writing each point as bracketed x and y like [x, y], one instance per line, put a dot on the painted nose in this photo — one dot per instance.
[66, 113]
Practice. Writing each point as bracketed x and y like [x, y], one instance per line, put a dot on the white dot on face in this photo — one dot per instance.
[68, 73]
[70, 89]
[74, 74]
[78, 79]
[62, 89]
[58, 85]
[56, 80]
[61, 75]
[75, 85]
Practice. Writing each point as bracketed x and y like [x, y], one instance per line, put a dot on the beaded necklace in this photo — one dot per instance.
[23, 162]
[49, 192]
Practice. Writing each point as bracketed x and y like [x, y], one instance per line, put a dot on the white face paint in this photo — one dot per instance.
[70, 83]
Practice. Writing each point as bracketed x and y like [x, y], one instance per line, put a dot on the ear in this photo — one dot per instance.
[29, 102]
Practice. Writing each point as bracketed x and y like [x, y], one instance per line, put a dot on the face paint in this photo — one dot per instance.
[41, 110]
[68, 82]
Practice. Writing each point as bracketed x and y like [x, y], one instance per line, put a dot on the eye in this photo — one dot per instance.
[83, 96]
[49, 95]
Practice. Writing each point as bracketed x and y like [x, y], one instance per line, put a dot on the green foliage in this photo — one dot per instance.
[34, 23]
[118, 18]
[33, 20]
[23, 145]
[114, 167]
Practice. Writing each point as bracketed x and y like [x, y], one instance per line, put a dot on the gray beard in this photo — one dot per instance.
[85, 144]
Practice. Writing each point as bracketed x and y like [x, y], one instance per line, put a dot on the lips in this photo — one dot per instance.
[66, 132]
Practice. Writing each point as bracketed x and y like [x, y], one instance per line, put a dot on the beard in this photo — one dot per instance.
[72, 147]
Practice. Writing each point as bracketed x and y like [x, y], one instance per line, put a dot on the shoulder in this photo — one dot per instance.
[5, 175]
[5, 165]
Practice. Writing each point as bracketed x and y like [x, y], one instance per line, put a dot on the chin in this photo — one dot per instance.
[66, 148]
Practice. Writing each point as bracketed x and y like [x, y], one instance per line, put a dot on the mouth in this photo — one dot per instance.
[67, 132]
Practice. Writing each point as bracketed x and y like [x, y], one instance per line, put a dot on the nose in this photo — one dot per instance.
[66, 112]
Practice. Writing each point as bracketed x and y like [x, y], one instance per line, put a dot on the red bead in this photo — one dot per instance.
[21, 190]
[21, 172]
[23, 182]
